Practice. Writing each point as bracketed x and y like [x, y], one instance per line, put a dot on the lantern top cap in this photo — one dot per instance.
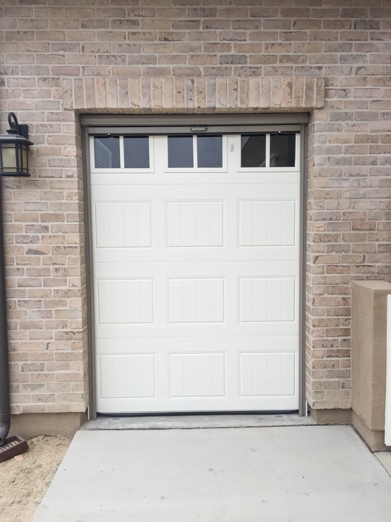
[14, 138]
[16, 133]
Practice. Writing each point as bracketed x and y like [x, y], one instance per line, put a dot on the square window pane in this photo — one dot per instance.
[253, 150]
[210, 151]
[180, 152]
[136, 150]
[282, 150]
[107, 152]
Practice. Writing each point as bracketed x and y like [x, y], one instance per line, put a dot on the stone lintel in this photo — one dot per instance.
[193, 95]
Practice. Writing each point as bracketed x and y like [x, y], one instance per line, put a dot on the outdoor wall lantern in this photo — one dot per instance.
[14, 148]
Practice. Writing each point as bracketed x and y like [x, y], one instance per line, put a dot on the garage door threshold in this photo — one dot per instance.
[188, 422]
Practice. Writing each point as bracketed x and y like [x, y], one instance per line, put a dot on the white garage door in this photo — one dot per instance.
[196, 271]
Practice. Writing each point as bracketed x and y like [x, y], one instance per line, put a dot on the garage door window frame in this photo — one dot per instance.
[95, 125]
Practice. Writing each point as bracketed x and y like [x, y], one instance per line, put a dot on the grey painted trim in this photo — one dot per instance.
[193, 119]
[92, 414]
[303, 407]
[194, 129]
[5, 404]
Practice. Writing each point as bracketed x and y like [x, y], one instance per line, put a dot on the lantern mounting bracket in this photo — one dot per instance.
[16, 127]
[14, 149]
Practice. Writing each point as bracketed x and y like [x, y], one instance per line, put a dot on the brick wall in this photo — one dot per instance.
[49, 45]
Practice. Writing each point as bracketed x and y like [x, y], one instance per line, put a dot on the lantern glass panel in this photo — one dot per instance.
[8, 158]
[19, 158]
[24, 153]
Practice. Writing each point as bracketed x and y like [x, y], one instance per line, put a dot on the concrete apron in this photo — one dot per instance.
[191, 422]
[276, 474]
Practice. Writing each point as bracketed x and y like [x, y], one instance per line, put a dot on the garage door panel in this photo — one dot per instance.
[163, 346]
[196, 255]
[272, 268]
[210, 179]
[198, 192]
[258, 375]
[196, 286]
[141, 405]
[200, 329]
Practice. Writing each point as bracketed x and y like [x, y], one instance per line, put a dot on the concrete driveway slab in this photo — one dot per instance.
[279, 474]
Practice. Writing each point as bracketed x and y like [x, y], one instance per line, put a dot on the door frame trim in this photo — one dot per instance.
[131, 120]
[303, 406]
[168, 124]
[92, 410]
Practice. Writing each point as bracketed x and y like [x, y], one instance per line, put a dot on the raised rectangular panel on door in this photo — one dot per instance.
[196, 300]
[197, 375]
[196, 275]
[123, 224]
[125, 301]
[127, 376]
[195, 223]
[265, 223]
[267, 299]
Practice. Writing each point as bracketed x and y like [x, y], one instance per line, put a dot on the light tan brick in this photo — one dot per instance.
[211, 58]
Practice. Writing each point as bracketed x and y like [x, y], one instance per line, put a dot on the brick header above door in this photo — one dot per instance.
[194, 95]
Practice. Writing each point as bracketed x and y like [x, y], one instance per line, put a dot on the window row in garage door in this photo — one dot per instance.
[196, 272]
[188, 152]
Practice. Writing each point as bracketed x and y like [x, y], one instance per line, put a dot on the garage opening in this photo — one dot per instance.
[195, 239]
